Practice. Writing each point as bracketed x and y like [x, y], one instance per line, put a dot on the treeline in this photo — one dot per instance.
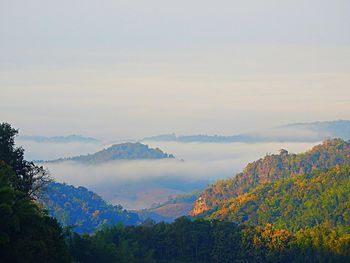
[204, 241]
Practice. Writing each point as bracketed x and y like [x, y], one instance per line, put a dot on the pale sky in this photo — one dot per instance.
[129, 69]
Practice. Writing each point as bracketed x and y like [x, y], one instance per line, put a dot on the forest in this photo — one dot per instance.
[282, 208]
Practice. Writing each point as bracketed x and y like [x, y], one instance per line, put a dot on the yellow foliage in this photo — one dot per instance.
[96, 213]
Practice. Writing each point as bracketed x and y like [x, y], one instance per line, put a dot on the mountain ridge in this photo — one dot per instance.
[295, 202]
[294, 132]
[271, 168]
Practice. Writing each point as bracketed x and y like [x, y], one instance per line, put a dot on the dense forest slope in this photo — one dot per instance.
[123, 151]
[82, 209]
[295, 202]
[271, 168]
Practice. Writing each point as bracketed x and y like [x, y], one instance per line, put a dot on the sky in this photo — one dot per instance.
[130, 69]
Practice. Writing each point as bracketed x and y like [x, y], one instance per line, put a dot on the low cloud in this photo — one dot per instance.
[202, 161]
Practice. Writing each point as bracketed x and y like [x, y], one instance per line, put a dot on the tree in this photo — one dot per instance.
[29, 177]
[27, 234]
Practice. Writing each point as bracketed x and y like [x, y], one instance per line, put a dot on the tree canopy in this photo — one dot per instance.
[27, 234]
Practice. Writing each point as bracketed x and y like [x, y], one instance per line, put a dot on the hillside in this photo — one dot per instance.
[298, 212]
[271, 168]
[295, 202]
[174, 208]
[124, 151]
[79, 207]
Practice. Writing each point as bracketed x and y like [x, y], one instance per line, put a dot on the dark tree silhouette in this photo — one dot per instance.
[29, 178]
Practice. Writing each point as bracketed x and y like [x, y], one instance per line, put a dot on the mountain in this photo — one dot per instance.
[272, 168]
[79, 207]
[292, 203]
[297, 132]
[123, 151]
[59, 139]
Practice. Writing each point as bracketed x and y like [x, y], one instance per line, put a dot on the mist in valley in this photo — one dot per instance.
[137, 184]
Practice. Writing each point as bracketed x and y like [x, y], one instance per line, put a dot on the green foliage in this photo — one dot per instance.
[272, 168]
[296, 202]
[79, 207]
[28, 178]
[285, 208]
[26, 233]
[207, 241]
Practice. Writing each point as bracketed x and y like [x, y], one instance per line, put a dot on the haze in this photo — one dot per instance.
[122, 182]
[129, 69]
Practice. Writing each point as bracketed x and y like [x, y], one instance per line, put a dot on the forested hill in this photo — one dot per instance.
[124, 151]
[83, 209]
[271, 168]
[295, 202]
[309, 205]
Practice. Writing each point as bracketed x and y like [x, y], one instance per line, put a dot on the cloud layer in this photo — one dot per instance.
[203, 163]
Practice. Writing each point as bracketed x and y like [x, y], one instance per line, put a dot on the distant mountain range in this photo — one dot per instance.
[298, 132]
[59, 139]
[123, 151]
